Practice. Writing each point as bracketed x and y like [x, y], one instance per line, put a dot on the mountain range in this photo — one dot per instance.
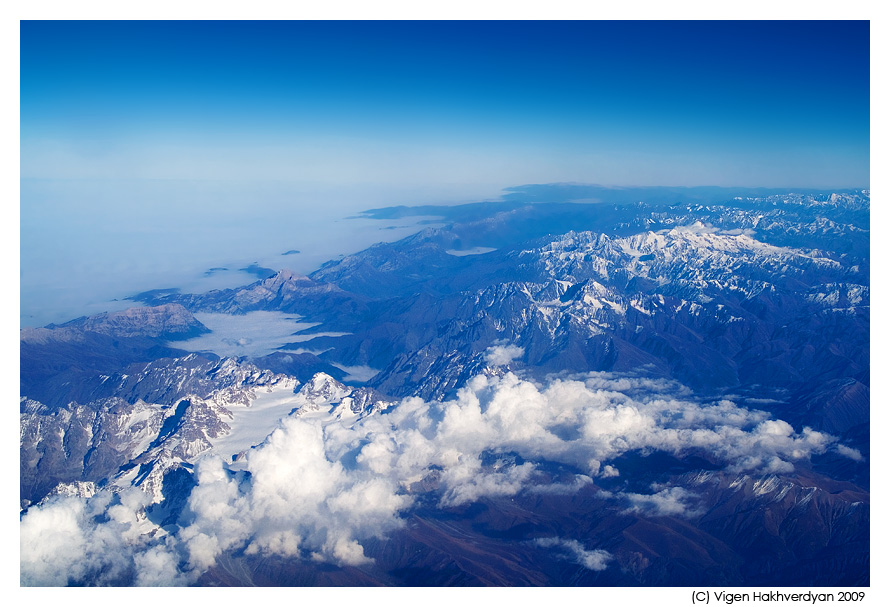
[657, 388]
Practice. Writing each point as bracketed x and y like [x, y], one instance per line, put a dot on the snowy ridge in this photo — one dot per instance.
[695, 257]
[156, 439]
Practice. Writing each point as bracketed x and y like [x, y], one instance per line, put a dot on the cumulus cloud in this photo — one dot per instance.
[668, 501]
[317, 488]
[297, 501]
[596, 560]
[104, 539]
[500, 355]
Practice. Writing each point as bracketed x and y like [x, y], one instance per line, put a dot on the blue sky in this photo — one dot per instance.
[457, 104]
[154, 150]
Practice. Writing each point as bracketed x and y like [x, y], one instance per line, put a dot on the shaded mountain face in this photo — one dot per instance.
[634, 393]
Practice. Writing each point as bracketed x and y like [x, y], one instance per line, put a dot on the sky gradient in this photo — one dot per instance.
[459, 104]
[152, 151]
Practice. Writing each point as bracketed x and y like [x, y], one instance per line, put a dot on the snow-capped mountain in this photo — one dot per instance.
[691, 302]
[633, 393]
[136, 444]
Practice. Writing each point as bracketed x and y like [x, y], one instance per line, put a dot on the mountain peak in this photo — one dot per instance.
[323, 386]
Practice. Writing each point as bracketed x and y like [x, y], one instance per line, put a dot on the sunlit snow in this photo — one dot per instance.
[251, 425]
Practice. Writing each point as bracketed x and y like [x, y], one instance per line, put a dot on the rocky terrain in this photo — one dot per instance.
[621, 393]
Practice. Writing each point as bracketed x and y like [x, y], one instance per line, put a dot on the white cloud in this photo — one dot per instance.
[318, 487]
[502, 355]
[849, 452]
[296, 500]
[52, 543]
[580, 481]
[669, 501]
[358, 373]
[158, 566]
[252, 334]
[61, 543]
[595, 560]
